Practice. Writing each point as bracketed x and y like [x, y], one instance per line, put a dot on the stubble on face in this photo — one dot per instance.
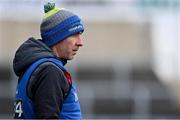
[69, 47]
[66, 49]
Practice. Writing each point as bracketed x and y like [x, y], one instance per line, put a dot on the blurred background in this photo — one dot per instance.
[129, 66]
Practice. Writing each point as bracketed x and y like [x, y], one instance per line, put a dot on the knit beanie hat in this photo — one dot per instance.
[58, 24]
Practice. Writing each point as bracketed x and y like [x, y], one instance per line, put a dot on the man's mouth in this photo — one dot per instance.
[75, 50]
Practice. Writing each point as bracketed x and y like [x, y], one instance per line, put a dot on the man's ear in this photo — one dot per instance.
[54, 49]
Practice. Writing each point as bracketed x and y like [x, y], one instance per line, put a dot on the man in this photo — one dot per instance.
[45, 89]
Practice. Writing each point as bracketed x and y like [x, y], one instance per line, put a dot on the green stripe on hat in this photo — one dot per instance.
[52, 12]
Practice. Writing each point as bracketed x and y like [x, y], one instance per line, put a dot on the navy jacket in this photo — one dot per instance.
[47, 85]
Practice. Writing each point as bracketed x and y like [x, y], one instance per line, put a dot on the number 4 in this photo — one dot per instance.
[18, 109]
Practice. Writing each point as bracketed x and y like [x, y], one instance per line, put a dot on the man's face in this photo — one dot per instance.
[69, 47]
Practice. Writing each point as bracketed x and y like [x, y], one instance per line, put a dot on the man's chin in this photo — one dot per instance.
[70, 58]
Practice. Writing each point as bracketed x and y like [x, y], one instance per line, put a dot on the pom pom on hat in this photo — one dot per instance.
[58, 24]
[49, 6]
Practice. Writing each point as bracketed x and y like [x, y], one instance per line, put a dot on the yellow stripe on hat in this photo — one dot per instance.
[52, 12]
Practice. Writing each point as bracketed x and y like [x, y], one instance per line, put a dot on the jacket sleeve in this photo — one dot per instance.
[48, 92]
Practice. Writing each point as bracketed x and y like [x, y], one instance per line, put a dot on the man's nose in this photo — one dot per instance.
[79, 41]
